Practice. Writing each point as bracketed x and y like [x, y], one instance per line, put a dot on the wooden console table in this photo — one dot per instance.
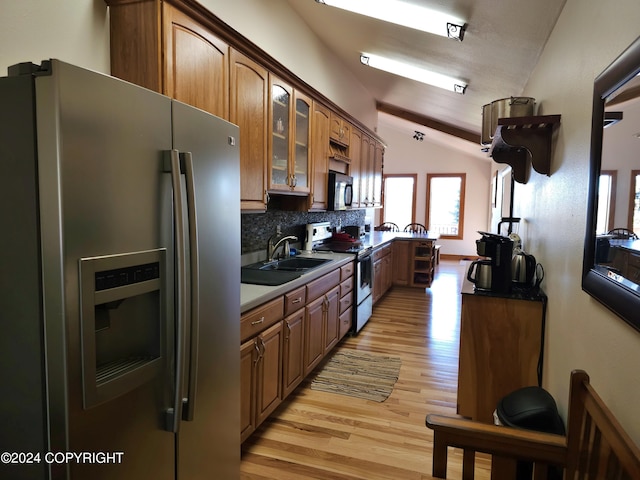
[501, 340]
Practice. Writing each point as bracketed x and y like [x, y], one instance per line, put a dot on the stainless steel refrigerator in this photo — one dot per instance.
[120, 281]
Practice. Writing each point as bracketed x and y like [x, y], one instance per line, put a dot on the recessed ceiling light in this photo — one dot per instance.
[413, 72]
[405, 14]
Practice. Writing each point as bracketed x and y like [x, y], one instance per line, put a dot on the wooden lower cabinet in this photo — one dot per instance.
[279, 352]
[313, 341]
[500, 349]
[332, 319]
[382, 271]
[400, 275]
[261, 383]
[293, 350]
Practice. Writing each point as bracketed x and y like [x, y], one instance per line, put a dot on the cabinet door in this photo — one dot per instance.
[366, 169]
[400, 274]
[387, 272]
[292, 358]
[158, 47]
[319, 156]
[332, 319]
[280, 96]
[269, 368]
[378, 158]
[340, 129]
[301, 142]
[248, 357]
[313, 329]
[355, 149]
[248, 110]
[377, 280]
[196, 65]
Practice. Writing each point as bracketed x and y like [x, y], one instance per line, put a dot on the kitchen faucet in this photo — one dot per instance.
[272, 247]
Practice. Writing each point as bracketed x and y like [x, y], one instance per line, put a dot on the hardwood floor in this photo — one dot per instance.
[318, 435]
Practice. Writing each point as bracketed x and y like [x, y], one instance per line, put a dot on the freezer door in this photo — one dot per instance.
[104, 199]
[209, 434]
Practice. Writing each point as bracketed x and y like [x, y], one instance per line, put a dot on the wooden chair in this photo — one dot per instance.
[596, 446]
[415, 228]
[387, 227]
[622, 234]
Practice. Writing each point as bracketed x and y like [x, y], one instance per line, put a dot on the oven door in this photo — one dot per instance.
[364, 277]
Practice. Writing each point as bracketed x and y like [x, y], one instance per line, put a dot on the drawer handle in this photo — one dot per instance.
[256, 322]
[297, 300]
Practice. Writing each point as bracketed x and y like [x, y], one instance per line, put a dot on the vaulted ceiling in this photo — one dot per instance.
[502, 43]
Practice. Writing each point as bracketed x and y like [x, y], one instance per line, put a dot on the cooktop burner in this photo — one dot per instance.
[345, 247]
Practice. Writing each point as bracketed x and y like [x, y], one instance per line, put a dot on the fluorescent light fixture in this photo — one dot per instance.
[414, 73]
[405, 14]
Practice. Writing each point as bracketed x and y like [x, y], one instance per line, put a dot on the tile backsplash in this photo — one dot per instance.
[258, 227]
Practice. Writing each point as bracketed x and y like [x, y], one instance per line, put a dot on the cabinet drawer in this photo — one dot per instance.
[345, 302]
[634, 260]
[294, 300]
[322, 285]
[346, 271]
[382, 252]
[346, 286]
[256, 320]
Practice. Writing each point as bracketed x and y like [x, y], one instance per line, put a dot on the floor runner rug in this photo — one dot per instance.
[358, 374]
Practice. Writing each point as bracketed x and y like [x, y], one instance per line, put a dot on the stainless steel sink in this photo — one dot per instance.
[278, 272]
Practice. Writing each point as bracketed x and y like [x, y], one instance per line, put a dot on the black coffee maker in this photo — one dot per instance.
[499, 250]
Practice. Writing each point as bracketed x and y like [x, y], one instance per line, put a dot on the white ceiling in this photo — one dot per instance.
[501, 45]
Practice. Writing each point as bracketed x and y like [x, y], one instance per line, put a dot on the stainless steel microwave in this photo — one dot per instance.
[340, 191]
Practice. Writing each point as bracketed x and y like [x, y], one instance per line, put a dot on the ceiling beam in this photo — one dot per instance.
[428, 122]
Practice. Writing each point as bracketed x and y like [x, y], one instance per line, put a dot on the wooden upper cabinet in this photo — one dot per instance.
[319, 156]
[340, 129]
[197, 64]
[378, 159]
[155, 45]
[249, 96]
[289, 138]
[366, 171]
[355, 153]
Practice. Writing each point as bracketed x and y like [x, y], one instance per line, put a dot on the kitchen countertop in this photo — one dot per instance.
[252, 295]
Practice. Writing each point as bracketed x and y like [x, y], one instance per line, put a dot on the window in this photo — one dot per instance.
[606, 201]
[634, 202]
[399, 197]
[445, 204]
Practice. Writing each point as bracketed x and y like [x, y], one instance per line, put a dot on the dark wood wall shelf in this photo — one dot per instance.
[523, 142]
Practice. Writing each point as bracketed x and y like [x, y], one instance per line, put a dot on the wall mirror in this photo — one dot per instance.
[611, 267]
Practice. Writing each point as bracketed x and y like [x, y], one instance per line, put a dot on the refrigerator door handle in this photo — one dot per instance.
[189, 402]
[174, 413]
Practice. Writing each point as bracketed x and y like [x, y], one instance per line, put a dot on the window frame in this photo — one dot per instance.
[463, 181]
[612, 200]
[632, 197]
[414, 177]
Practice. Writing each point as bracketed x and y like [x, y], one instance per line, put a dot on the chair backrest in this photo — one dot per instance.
[623, 234]
[415, 228]
[387, 227]
[597, 445]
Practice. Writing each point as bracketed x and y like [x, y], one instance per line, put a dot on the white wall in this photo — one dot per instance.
[406, 155]
[580, 332]
[76, 31]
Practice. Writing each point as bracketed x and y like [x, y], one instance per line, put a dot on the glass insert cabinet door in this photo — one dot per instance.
[280, 134]
[302, 139]
[289, 139]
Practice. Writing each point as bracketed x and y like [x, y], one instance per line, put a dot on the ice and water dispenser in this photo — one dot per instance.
[122, 310]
